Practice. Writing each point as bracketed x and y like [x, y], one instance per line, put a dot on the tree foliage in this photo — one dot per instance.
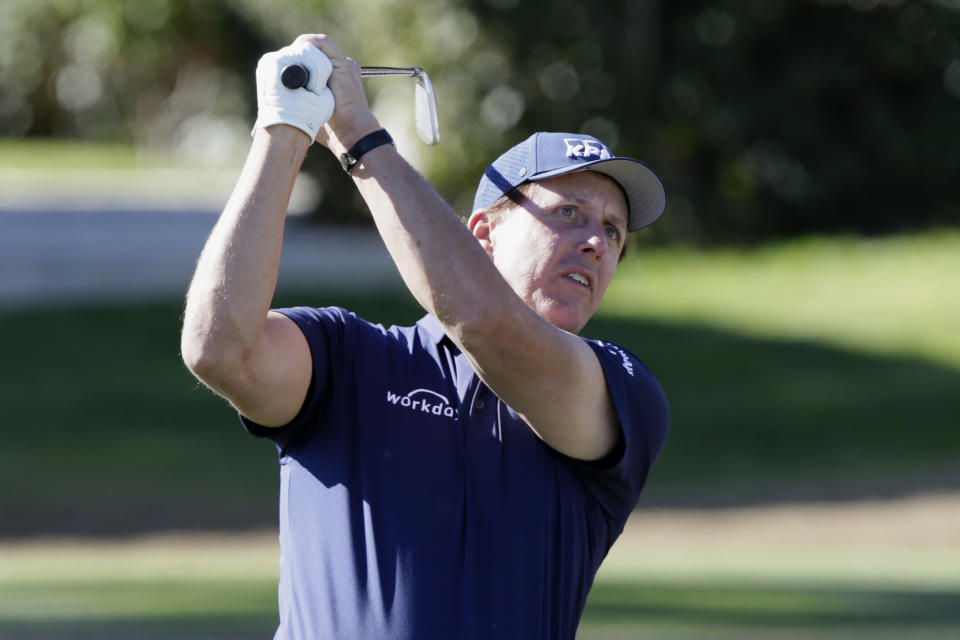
[763, 117]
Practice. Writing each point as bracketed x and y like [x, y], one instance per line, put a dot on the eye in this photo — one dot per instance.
[612, 232]
[566, 211]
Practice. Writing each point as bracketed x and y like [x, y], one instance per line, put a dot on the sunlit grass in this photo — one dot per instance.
[55, 154]
[160, 577]
[892, 296]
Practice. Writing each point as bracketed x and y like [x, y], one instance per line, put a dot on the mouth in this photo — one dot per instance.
[581, 279]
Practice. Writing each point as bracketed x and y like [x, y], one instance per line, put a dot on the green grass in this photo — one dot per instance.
[824, 368]
[800, 364]
[217, 588]
[896, 296]
[38, 155]
[767, 403]
[634, 609]
[167, 588]
[128, 438]
[640, 608]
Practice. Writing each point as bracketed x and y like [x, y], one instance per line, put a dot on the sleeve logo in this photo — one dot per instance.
[624, 357]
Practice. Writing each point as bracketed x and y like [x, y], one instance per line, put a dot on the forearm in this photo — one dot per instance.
[236, 275]
[450, 274]
[440, 261]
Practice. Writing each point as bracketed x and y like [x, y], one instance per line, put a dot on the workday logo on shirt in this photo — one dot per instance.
[424, 401]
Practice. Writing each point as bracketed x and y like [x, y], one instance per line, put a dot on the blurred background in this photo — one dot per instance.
[799, 300]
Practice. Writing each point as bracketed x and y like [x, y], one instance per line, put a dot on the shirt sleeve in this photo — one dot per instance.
[325, 330]
[644, 417]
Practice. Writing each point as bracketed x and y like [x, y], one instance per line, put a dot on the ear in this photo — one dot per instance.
[480, 225]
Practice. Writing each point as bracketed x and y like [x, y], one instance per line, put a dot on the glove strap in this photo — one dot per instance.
[367, 143]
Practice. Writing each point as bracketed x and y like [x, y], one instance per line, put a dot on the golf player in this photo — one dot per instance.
[463, 477]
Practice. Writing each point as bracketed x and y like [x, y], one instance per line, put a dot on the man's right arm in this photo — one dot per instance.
[257, 359]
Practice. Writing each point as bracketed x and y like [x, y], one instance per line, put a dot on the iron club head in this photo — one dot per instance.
[424, 101]
[425, 109]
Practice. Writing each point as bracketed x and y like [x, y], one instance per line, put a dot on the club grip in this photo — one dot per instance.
[294, 76]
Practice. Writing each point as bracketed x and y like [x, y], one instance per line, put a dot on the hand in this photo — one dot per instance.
[306, 109]
[352, 118]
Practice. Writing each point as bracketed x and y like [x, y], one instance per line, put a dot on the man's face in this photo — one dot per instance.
[559, 248]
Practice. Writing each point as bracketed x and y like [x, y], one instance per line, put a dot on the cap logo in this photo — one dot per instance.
[584, 149]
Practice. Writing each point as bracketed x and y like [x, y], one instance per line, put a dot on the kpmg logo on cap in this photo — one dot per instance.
[585, 149]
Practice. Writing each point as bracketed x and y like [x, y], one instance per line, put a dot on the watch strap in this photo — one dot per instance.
[367, 143]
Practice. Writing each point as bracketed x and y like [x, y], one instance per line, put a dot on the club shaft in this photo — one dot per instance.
[295, 76]
[385, 72]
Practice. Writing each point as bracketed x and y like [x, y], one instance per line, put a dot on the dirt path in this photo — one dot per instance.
[103, 238]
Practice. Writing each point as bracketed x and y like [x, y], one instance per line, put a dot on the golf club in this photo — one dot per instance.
[295, 76]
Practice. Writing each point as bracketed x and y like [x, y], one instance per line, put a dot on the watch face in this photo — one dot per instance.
[347, 161]
[367, 143]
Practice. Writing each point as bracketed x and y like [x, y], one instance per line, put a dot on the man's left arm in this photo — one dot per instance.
[551, 377]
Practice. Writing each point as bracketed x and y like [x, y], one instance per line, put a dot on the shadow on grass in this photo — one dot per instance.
[106, 433]
[141, 608]
[731, 607]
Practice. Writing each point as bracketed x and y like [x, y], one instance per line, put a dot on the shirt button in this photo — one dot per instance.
[478, 405]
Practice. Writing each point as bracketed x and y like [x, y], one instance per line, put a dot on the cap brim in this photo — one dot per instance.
[645, 193]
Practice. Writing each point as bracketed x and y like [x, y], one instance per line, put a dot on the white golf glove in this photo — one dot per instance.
[306, 108]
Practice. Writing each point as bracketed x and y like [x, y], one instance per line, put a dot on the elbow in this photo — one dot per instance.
[209, 363]
[194, 358]
[198, 359]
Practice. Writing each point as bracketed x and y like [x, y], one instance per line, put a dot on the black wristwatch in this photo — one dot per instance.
[367, 143]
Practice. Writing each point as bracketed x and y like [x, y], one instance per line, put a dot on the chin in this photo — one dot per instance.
[566, 319]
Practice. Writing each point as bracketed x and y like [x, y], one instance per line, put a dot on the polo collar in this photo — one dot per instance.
[433, 328]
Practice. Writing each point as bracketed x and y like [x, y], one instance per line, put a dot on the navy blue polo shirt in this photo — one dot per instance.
[415, 504]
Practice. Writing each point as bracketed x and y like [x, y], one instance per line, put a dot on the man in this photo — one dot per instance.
[465, 477]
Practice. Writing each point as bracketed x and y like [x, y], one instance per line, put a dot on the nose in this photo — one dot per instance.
[595, 242]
